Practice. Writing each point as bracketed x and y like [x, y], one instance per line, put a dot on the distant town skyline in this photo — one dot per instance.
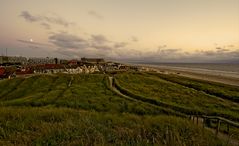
[135, 30]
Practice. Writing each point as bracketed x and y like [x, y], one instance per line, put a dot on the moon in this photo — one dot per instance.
[31, 40]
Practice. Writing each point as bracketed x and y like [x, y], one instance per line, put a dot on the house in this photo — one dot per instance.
[2, 72]
[48, 68]
[72, 62]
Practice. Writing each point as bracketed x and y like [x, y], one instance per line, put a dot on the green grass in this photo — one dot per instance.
[213, 88]
[88, 92]
[45, 110]
[54, 126]
[155, 89]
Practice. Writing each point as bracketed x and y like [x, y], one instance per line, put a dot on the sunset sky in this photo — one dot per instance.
[131, 30]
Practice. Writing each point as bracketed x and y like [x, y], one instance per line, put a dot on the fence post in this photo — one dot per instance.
[228, 128]
[218, 126]
[197, 120]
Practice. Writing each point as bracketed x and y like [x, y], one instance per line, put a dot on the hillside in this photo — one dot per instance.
[185, 95]
[82, 110]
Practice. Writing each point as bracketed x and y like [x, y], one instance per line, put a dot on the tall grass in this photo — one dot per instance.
[154, 89]
[46, 110]
[54, 126]
[88, 92]
[218, 89]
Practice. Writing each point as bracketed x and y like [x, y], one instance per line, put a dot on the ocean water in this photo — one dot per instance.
[226, 67]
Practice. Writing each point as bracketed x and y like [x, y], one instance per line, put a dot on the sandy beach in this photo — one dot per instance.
[226, 77]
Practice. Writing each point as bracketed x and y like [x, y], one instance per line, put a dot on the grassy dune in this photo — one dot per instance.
[158, 89]
[64, 126]
[218, 89]
[82, 110]
[87, 92]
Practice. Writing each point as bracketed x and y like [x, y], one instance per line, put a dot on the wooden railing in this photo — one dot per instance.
[204, 119]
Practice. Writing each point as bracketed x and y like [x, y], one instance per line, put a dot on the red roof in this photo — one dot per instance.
[2, 71]
[73, 62]
[48, 66]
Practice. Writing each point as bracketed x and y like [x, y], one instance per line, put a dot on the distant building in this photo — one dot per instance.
[2, 72]
[32, 61]
[93, 60]
[48, 68]
[13, 60]
[63, 61]
[20, 60]
[72, 62]
[57, 61]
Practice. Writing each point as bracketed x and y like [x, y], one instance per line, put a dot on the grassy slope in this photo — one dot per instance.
[161, 90]
[212, 88]
[45, 110]
[87, 92]
[54, 126]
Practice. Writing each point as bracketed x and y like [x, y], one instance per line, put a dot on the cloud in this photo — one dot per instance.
[230, 46]
[93, 45]
[178, 55]
[28, 17]
[222, 49]
[45, 20]
[32, 43]
[120, 45]
[65, 40]
[57, 20]
[95, 14]
[96, 45]
[134, 39]
[46, 25]
[70, 41]
[99, 39]
[101, 47]
[161, 47]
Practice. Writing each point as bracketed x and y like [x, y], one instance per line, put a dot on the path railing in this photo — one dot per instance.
[204, 120]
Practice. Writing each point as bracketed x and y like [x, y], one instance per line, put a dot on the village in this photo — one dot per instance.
[18, 66]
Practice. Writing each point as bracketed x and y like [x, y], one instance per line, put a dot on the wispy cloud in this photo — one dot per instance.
[71, 45]
[33, 43]
[95, 14]
[120, 44]
[68, 41]
[99, 39]
[134, 39]
[46, 25]
[30, 18]
[94, 45]
[45, 20]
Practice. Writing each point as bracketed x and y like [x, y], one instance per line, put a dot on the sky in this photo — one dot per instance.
[127, 30]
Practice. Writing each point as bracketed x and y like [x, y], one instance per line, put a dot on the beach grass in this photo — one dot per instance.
[67, 126]
[157, 89]
[65, 109]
